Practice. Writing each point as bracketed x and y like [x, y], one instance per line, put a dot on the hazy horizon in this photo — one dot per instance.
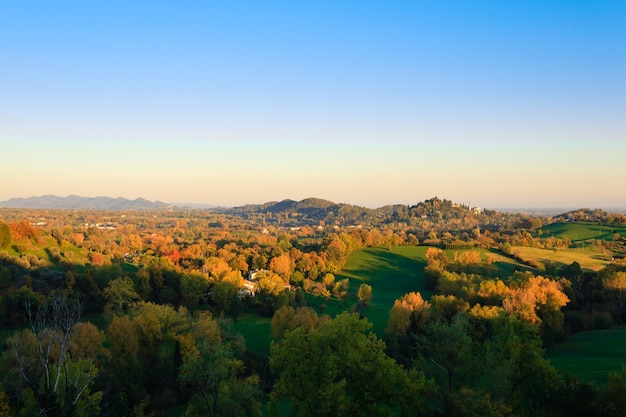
[538, 210]
[499, 104]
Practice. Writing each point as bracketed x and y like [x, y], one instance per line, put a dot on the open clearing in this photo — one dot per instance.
[592, 355]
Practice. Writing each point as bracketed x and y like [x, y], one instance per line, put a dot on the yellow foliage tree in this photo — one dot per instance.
[409, 312]
[535, 294]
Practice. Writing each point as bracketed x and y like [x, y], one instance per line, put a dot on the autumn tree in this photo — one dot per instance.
[5, 235]
[329, 281]
[225, 295]
[364, 294]
[97, 258]
[270, 293]
[436, 262]
[23, 230]
[288, 318]
[446, 307]
[88, 343]
[407, 319]
[538, 300]
[216, 268]
[340, 289]
[407, 315]
[282, 266]
[491, 292]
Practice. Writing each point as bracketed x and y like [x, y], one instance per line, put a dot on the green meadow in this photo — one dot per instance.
[391, 273]
[582, 231]
[257, 332]
[44, 248]
[591, 356]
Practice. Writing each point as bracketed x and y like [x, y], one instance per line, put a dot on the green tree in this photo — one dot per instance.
[193, 288]
[145, 356]
[211, 370]
[447, 350]
[288, 318]
[615, 289]
[341, 369]
[120, 294]
[225, 295]
[125, 368]
[614, 398]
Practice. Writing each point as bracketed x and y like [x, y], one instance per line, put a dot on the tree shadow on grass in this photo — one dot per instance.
[389, 273]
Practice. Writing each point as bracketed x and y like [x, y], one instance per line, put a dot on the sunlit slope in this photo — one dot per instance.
[391, 273]
[542, 258]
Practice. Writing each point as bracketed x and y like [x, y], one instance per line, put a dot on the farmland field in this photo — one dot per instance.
[591, 356]
[587, 258]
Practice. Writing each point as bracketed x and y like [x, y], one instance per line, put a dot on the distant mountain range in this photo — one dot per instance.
[309, 208]
[74, 202]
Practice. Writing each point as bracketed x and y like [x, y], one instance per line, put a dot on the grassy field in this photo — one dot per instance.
[391, 273]
[591, 356]
[582, 231]
[587, 258]
[43, 248]
[257, 332]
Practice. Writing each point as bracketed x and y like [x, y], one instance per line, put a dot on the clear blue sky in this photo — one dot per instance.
[498, 103]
